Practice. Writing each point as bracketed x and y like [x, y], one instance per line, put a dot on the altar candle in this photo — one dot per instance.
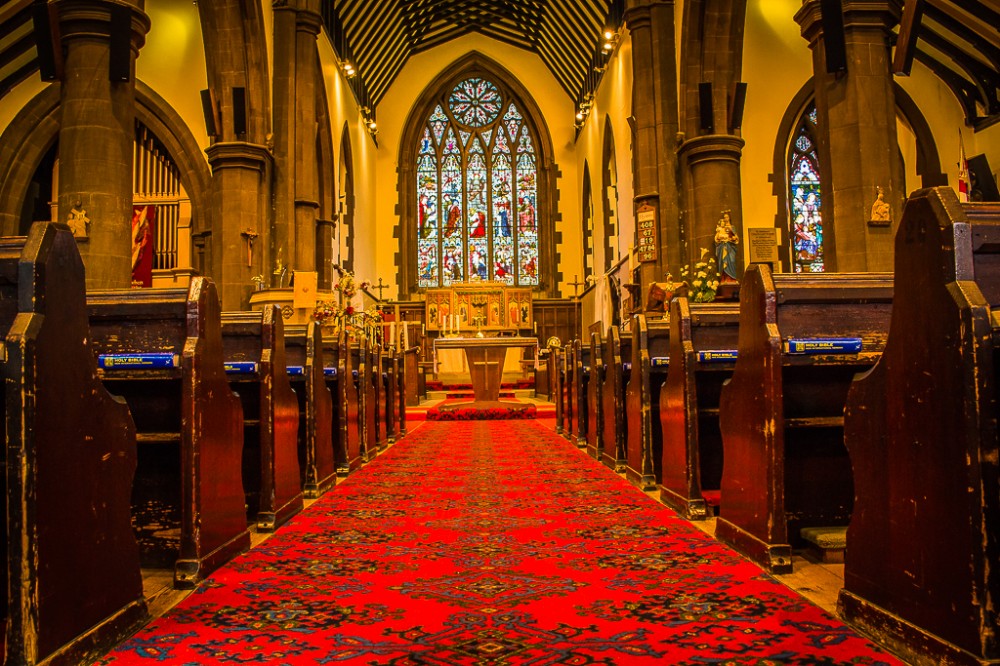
[392, 334]
[406, 336]
[535, 326]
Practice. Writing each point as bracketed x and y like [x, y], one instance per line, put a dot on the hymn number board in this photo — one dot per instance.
[646, 220]
[494, 307]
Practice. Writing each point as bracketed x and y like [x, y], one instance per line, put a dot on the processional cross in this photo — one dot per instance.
[576, 284]
[381, 287]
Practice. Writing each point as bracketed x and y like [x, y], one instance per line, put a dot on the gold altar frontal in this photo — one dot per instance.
[486, 357]
[484, 306]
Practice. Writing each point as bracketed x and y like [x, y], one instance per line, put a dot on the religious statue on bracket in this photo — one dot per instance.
[78, 221]
[880, 216]
[726, 241]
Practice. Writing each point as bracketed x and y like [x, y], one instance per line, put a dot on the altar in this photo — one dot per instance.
[486, 358]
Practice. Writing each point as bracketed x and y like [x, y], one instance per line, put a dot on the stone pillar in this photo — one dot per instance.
[240, 173]
[285, 47]
[713, 168]
[96, 134]
[654, 106]
[858, 149]
[307, 26]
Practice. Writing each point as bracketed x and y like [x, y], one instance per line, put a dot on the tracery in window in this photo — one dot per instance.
[804, 193]
[476, 190]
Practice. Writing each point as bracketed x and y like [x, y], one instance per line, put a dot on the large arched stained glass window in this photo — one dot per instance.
[476, 190]
[806, 231]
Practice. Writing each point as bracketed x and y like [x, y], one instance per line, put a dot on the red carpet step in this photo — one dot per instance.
[486, 543]
[464, 410]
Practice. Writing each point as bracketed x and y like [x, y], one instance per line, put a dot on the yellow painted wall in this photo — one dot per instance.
[172, 62]
[613, 101]
[777, 62]
[554, 103]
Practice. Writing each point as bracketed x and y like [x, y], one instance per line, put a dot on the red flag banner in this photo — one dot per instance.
[143, 233]
[963, 171]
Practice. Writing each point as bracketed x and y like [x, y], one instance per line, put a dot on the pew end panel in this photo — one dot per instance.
[70, 447]
[921, 566]
[582, 388]
[271, 476]
[750, 412]
[595, 411]
[336, 372]
[190, 424]
[350, 408]
[613, 453]
[304, 349]
[644, 439]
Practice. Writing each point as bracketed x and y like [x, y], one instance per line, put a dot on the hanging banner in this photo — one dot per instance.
[143, 233]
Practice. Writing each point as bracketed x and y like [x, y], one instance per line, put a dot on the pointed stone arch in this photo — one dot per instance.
[345, 200]
[547, 172]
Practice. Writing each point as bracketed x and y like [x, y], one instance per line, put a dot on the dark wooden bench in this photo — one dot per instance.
[364, 360]
[595, 406]
[922, 571]
[345, 390]
[413, 377]
[71, 574]
[703, 342]
[543, 374]
[613, 441]
[188, 499]
[650, 346]
[556, 371]
[253, 347]
[399, 400]
[569, 392]
[338, 372]
[305, 363]
[782, 414]
[581, 373]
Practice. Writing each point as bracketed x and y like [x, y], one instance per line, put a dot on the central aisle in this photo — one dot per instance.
[492, 542]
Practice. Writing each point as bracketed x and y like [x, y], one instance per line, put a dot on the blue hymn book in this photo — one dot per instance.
[241, 367]
[137, 361]
[823, 346]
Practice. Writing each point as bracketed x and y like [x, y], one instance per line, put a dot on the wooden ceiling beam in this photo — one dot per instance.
[909, 30]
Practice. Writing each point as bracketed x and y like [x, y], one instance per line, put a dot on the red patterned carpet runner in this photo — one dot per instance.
[488, 543]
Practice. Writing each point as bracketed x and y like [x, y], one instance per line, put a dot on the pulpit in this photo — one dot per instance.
[486, 358]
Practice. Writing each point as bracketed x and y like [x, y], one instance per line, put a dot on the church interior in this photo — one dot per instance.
[500, 331]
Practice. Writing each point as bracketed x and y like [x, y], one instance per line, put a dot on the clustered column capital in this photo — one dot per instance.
[857, 14]
[92, 18]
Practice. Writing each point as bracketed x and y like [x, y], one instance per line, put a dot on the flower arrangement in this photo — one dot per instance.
[342, 314]
[702, 281]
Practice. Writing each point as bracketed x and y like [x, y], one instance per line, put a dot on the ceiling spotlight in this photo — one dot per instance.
[579, 115]
[371, 125]
[608, 46]
[608, 34]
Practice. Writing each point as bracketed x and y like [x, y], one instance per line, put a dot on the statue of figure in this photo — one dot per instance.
[726, 241]
[880, 209]
[78, 221]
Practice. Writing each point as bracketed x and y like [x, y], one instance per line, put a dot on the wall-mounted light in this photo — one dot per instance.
[348, 68]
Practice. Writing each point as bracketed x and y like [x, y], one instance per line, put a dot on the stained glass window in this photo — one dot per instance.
[806, 231]
[477, 195]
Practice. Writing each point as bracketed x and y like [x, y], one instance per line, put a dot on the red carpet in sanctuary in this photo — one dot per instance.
[488, 543]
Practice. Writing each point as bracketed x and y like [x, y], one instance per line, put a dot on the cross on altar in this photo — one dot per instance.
[576, 284]
[381, 287]
[479, 320]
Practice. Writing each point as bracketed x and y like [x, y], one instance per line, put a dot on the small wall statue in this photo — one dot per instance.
[881, 216]
[726, 241]
[78, 221]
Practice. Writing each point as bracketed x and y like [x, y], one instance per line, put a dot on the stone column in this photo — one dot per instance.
[285, 46]
[307, 26]
[858, 149]
[241, 172]
[713, 167]
[96, 134]
[654, 106]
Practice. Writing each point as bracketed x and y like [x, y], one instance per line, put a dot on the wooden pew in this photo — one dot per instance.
[189, 423]
[570, 369]
[782, 414]
[253, 347]
[71, 573]
[581, 361]
[383, 424]
[543, 374]
[413, 377]
[922, 567]
[644, 437]
[700, 336]
[400, 401]
[556, 392]
[613, 453]
[595, 407]
[364, 360]
[349, 451]
[304, 356]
